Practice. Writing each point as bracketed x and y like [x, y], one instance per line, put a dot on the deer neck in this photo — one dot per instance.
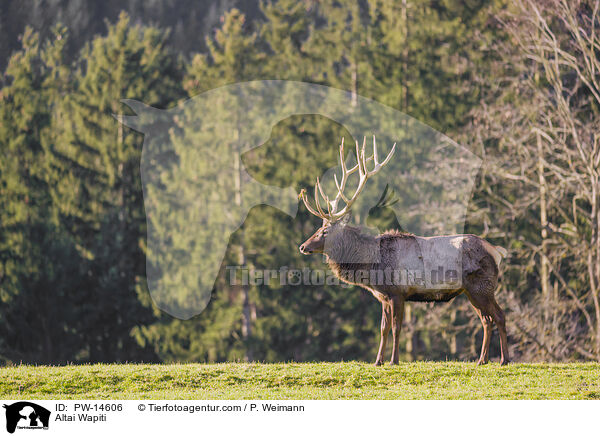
[351, 250]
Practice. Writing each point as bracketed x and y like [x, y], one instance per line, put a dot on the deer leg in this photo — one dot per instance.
[481, 302]
[486, 322]
[397, 304]
[499, 319]
[386, 318]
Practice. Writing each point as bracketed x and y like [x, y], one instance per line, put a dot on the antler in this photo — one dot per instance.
[364, 174]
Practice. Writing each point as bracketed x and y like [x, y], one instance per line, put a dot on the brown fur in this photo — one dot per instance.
[395, 234]
[349, 251]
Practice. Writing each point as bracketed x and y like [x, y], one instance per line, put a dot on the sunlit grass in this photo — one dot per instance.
[348, 380]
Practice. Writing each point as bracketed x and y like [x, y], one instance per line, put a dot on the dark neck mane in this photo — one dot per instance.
[351, 251]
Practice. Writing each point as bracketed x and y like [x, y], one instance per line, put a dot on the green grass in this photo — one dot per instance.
[348, 380]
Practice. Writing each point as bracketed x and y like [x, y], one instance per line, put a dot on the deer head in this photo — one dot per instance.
[334, 220]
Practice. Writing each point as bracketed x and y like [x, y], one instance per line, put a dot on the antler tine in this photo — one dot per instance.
[330, 208]
[341, 186]
[358, 160]
[340, 189]
[342, 162]
[307, 204]
[378, 165]
[352, 170]
[375, 156]
[362, 155]
[325, 197]
[364, 174]
[317, 189]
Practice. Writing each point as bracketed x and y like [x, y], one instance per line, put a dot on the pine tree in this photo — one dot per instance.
[40, 268]
[104, 203]
[285, 31]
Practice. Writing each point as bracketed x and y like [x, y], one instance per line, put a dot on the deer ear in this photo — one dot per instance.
[345, 219]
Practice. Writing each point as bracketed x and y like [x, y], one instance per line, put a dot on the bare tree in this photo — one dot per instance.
[539, 127]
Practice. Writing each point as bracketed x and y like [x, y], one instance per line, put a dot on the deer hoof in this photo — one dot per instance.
[379, 363]
[481, 362]
[505, 362]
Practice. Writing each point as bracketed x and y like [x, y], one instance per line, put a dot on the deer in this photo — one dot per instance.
[384, 263]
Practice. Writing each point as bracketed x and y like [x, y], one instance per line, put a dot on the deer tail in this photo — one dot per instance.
[499, 253]
[501, 250]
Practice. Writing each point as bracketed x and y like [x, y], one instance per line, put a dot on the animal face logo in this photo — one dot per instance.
[25, 414]
[197, 192]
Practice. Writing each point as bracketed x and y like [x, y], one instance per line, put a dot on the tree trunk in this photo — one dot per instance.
[594, 258]
[544, 282]
[354, 84]
[405, 55]
[246, 312]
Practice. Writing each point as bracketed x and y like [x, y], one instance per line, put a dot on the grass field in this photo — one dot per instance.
[349, 380]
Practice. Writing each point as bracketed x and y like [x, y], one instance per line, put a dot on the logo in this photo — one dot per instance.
[26, 415]
[198, 190]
